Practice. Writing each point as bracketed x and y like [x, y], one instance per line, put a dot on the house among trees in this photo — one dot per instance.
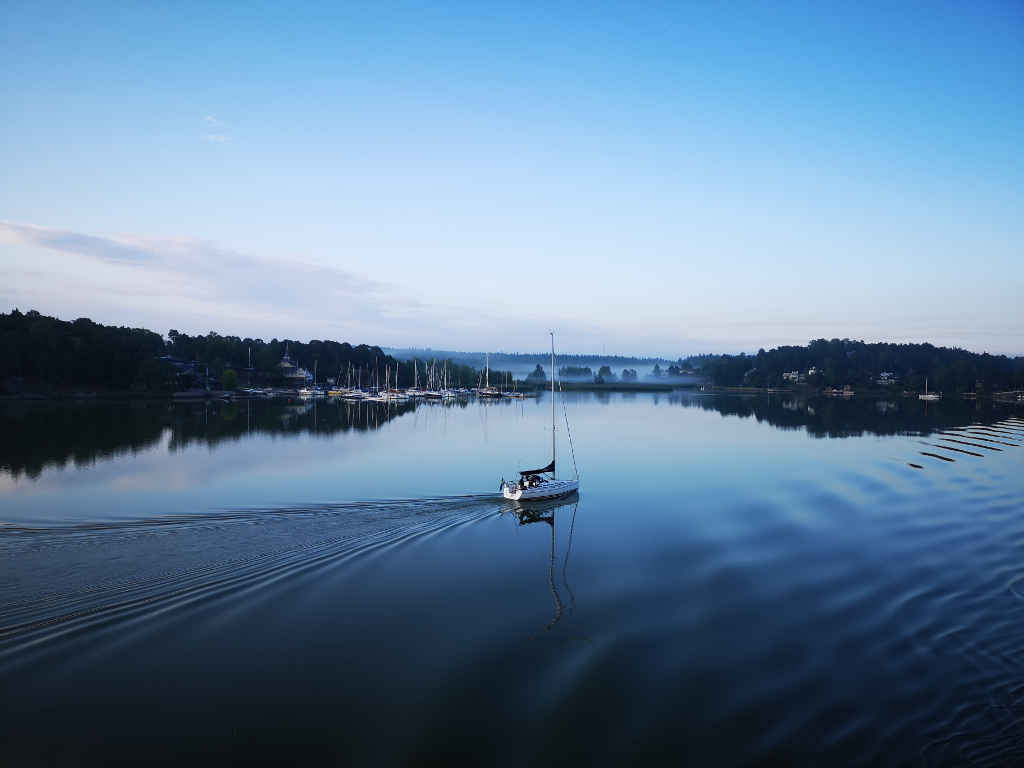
[293, 373]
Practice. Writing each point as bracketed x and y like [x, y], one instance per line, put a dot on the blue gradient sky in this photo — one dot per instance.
[648, 178]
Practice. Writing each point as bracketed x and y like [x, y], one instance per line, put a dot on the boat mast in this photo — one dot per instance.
[552, 399]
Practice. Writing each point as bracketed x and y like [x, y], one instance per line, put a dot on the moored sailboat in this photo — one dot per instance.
[929, 395]
[542, 483]
[487, 390]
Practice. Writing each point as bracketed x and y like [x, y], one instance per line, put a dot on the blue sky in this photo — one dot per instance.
[657, 178]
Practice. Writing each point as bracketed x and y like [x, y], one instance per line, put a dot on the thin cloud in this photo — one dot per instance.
[191, 273]
[196, 285]
[102, 248]
[216, 133]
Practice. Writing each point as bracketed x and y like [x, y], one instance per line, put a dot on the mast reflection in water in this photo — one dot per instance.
[544, 512]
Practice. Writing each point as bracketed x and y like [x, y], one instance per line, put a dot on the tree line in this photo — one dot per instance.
[39, 353]
[837, 362]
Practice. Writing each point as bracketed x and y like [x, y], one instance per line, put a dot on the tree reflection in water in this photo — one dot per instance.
[42, 434]
[846, 417]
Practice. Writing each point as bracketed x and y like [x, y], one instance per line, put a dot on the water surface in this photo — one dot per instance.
[741, 579]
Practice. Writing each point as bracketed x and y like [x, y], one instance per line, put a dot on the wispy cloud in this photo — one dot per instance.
[195, 286]
[195, 278]
[215, 128]
[74, 242]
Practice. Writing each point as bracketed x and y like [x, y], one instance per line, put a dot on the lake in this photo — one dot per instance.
[742, 579]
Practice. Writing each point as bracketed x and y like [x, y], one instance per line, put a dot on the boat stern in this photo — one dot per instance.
[510, 491]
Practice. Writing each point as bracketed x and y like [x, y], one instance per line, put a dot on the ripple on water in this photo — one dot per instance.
[159, 564]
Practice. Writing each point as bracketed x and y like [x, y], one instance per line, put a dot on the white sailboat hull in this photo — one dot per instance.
[551, 489]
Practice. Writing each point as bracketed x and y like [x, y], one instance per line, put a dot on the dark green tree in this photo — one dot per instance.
[537, 375]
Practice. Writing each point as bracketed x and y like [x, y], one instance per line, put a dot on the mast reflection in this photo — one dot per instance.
[544, 512]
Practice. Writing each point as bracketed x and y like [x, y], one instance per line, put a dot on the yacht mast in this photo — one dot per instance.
[552, 398]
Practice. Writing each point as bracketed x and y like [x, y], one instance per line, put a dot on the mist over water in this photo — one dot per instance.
[740, 579]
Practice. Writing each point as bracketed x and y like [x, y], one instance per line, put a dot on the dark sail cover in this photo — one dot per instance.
[549, 468]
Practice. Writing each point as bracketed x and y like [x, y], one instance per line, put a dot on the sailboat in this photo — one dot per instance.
[537, 484]
[514, 392]
[487, 390]
[414, 390]
[928, 395]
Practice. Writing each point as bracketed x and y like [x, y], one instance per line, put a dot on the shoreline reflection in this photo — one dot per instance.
[53, 435]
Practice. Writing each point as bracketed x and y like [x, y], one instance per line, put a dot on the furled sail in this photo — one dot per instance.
[549, 468]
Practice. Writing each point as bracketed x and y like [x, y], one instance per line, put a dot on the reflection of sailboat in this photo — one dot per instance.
[532, 484]
[545, 513]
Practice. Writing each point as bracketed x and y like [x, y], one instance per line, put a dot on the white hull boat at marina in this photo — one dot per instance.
[929, 395]
[541, 484]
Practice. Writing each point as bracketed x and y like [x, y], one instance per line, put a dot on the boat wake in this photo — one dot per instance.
[66, 579]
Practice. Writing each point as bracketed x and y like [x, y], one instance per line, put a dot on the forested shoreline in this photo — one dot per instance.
[840, 362]
[42, 354]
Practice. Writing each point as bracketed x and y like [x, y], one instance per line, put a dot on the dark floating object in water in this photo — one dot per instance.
[915, 466]
[936, 456]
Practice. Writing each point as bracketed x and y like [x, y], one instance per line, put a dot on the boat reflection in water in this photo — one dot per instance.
[544, 512]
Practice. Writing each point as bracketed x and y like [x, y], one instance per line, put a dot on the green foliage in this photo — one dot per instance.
[575, 372]
[40, 353]
[229, 379]
[537, 375]
[156, 375]
[330, 357]
[842, 361]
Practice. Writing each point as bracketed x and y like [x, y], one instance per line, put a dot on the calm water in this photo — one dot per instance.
[741, 580]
